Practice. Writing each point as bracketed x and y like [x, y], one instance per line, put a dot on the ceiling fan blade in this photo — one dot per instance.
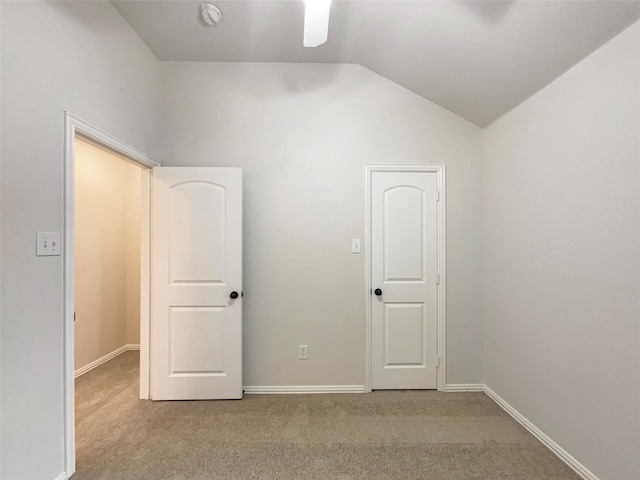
[316, 22]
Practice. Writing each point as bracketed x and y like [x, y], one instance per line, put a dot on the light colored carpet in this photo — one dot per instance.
[382, 435]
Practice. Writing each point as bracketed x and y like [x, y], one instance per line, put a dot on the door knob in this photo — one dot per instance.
[234, 295]
[378, 292]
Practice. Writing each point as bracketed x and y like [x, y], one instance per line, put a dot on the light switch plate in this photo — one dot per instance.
[355, 245]
[48, 244]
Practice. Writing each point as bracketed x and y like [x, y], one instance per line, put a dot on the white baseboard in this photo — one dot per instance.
[560, 452]
[106, 358]
[464, 387]
[62, 476]
[272, 390]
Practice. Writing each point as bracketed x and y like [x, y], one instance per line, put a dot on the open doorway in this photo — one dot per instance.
[106, 253]
[107, 214]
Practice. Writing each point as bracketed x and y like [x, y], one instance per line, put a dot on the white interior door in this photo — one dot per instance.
[404, 268]
[196, 262]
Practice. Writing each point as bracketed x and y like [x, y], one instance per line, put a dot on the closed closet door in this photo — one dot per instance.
[404, 268]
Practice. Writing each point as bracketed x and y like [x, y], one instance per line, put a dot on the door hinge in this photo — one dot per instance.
[438, 196]
[74, 316]
[438, 279]
[437, 362]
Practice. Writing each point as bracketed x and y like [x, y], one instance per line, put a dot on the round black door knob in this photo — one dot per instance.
[234, 295]
[377, 291]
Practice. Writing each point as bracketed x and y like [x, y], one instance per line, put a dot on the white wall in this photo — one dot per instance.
[561, 259]
[84, 58]
[107, 253]
[302, 134]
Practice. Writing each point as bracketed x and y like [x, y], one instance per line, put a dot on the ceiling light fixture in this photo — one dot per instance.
[316, 22]
[211, 15]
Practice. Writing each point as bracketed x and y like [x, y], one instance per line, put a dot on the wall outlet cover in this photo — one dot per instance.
[303, 352]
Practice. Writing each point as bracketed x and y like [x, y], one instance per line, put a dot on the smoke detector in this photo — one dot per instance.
[211, 15]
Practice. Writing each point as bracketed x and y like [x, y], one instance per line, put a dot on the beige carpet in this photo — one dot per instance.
[382, 435]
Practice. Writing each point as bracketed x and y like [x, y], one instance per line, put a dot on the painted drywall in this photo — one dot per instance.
[107, 253]
[561, 259]
[133, 219]
[84, 58]
[302, 134]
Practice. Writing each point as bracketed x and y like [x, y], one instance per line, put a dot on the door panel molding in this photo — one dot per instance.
[439, 171]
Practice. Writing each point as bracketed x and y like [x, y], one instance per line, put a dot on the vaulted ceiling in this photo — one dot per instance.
[478, 59]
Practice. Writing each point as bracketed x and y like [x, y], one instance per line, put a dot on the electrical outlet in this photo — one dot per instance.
[303, 352]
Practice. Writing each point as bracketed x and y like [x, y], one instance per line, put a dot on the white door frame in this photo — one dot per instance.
[74, 126]
[439, 170]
